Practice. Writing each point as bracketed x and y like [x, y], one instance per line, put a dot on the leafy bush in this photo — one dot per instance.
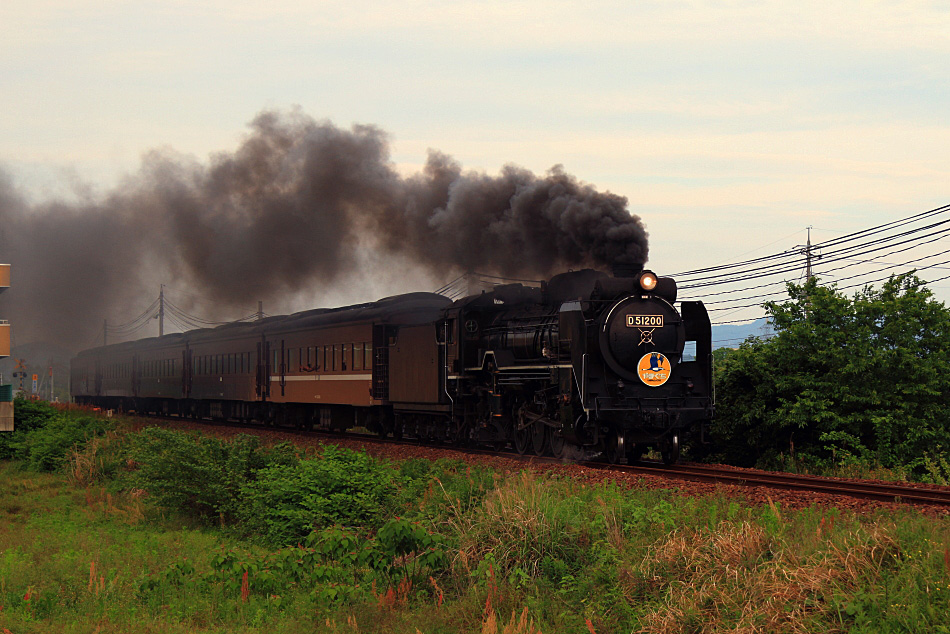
[200, 476]
[27, 415]
[430, 490]
[286, 502]
[48, 448]
[845, 381]
[44, 435]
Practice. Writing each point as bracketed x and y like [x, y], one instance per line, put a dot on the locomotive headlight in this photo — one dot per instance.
[648, 281]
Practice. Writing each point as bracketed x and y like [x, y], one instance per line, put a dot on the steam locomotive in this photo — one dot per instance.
[586, 363]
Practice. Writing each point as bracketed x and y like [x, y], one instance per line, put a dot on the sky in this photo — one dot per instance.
[730, 127]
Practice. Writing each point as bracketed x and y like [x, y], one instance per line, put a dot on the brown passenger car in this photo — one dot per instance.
[326, 367]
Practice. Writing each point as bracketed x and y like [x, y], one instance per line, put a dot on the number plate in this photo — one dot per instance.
[644, 321]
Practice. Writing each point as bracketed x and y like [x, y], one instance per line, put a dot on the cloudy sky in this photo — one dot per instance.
[729, 126]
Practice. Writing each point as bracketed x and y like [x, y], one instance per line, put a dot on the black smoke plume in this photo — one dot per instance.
[300, 207]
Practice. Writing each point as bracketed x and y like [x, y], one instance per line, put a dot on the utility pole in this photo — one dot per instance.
[260, 310]
[161, 310]
[105, 331]
[808, 275]
[51, 380]
[810, 255]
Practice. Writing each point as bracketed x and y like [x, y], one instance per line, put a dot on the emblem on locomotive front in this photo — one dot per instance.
[654, 369]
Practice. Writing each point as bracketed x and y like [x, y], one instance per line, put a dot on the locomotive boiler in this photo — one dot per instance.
[585, 363]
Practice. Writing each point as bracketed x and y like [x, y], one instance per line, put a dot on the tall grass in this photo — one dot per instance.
[112, 543]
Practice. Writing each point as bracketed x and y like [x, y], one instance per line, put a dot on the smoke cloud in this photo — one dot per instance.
[299, 207]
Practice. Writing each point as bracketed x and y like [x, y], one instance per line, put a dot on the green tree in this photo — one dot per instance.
[844, 379]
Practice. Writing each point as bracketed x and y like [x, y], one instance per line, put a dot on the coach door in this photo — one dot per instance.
[381, 335]
[263, 368]
[283, 367]
[187, 371]
[98, 379]
[136, 382]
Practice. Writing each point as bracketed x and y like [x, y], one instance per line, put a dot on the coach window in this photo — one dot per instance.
[367, 355]
[336, 357]
[357, 356]
[346, 363]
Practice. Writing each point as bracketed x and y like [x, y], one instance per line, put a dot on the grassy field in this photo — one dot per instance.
[123, 537]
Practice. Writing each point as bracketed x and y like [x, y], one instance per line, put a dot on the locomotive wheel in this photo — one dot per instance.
[558, 445]
[539, 439]
[522, 437]
[522, 440]
[614, 448]
[670, 450]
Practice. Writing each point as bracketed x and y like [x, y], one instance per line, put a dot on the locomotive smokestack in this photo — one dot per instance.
[623, 269]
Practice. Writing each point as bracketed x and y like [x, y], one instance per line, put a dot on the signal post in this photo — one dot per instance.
[6, 391]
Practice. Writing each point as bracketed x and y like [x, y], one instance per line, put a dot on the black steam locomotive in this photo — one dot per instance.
[586, 363]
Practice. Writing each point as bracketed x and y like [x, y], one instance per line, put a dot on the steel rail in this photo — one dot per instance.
[891, 492]
[887, 492]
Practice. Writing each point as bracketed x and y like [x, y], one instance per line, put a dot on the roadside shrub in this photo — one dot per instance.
[200, 476]
[434, 490]
[286, 502]
[27, 415]
[48, 448]
[45, 436]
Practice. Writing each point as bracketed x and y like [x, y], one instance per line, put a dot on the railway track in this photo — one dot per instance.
[885, 492]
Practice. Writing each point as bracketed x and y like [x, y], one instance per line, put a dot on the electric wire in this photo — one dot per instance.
[825, 244]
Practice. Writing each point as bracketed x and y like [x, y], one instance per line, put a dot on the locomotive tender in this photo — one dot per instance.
[587, 361]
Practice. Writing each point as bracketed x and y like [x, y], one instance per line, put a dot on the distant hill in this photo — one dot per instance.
[731, 335]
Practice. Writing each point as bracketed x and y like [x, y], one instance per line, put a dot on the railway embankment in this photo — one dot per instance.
[118, 525]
